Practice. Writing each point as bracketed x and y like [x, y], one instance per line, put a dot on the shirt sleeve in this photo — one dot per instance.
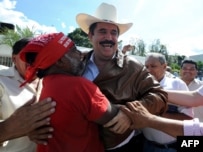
[98, 106]
[193, 127]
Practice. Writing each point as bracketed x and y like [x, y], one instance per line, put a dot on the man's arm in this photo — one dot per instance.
[115, 119]
[119, 124]
[111, 112]
[149, 92]
[185, 98]
[127, 48]
[26, 119]
[141, 118]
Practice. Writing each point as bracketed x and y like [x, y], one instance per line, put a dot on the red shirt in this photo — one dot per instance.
[79, 104]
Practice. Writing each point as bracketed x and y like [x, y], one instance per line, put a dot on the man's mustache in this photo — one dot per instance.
[107, 42]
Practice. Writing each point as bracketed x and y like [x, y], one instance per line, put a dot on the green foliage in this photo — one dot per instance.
[180, 59]
[175, 66]
[200, 65]
[80, 38]
[158, 47]
[11, 36]
[139, 48]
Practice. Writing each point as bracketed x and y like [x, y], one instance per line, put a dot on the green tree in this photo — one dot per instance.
[180, 58]
[157, 47]
[80, 38]
[200, 65]
[139, 48]
[11, 36]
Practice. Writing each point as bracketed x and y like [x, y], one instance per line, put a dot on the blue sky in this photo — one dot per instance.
[177, 23]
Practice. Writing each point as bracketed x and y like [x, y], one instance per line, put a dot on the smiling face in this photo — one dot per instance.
[188, 72]
[104, 40]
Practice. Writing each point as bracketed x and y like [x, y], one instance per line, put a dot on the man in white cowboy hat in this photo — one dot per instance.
[120, 78]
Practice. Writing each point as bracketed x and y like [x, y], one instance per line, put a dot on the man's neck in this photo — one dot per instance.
[187, 81]
[101, 63]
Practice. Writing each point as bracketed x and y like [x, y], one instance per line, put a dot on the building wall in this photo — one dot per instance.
[5, 50]
[5, 55]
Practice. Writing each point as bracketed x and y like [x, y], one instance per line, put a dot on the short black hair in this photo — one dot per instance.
[19, 45]
[190, 62]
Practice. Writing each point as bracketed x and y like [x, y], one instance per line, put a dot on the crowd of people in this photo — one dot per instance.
[54, 99]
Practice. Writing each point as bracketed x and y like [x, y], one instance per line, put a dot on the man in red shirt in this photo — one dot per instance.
[80, 104]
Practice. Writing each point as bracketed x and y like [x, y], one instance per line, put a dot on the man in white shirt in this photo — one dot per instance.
[157, 140]
[188, 73]
[12, 97]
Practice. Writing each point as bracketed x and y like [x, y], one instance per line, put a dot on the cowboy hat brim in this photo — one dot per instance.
[85, 20]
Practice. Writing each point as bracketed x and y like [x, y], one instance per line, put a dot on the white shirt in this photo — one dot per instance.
[198, 111]
[195, 84]
[11, 98]
[159, 136]
[194, 127]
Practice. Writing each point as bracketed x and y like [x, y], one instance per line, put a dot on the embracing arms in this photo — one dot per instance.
[26, 119]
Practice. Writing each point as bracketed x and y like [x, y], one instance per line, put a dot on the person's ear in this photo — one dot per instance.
[14, 59]
[165, 66]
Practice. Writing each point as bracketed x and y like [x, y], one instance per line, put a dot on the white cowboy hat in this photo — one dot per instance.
[105, 13]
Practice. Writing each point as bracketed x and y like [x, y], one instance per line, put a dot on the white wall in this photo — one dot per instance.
[5, 50]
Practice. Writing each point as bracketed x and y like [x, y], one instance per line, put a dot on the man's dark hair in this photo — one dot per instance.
[19, 45]
[190, 62]
[93, 26]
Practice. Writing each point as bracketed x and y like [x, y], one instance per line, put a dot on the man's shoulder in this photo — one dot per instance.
[133, 62]
[177, 79]
[176, 83]
[6, 71]
[3, 67]
[133, 59]
[198, 81]
[170, 75]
